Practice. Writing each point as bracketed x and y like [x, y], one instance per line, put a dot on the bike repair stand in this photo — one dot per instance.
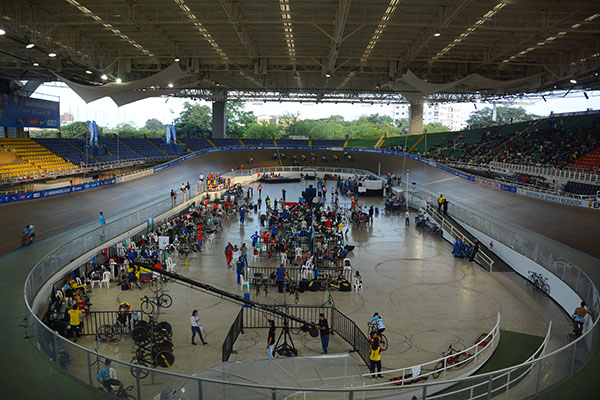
[286, 348]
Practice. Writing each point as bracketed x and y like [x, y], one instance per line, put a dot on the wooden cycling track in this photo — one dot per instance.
[59, 218]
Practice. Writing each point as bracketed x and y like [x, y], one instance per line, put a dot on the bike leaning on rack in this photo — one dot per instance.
[538, 281]
[163, 300]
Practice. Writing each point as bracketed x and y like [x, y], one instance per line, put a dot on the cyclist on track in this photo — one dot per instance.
[377, 320]
[29, 231]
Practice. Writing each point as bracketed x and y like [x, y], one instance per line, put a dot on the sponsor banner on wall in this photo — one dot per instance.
[487, 182]
[561, 199]
[19, 112]
[40, 194]
[508, 188]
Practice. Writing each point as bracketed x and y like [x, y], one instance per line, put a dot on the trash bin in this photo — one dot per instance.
[376, 210]
[246, 297]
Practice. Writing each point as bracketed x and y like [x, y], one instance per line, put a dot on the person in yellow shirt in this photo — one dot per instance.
[440, 202]
[375, 356]
[74, 321]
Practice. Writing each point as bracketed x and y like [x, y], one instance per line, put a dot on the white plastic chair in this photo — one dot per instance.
[133, 245]
[210, 237]
[284, 258]
[78, 280]
[113, 375]
[105, 279]
[244, 284]
[120, 249]
[93, 282]
[255, 258]
[347, 264]
[298, 252]
[170, 265]
[112, 264]
[356, 284]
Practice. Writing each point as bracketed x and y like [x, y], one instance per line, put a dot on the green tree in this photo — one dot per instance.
[78, 129]
[127, 129]
[402, 125]
[238, 119]
[434, 127]
[194, 120]
[154, 125]
[504, 115]
[263, 130]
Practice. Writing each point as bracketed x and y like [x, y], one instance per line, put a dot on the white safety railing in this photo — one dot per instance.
[453, 231]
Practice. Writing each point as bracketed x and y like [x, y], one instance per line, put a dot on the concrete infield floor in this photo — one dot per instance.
[409, 276]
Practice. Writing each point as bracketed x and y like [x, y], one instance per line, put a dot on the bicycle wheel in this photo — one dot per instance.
[147, 307]
[546, 288]
[165, 300]
[438, 369]
[461, 360]
[165, 328]
[141, 362]
[164, 359]
[140, 335]
[157, 286]
[115, 333]
[195, 248]
[102, 333]
[165, 345]
[383, 342]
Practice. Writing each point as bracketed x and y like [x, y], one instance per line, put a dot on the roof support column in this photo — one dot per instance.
[415, 121]
[219, 119]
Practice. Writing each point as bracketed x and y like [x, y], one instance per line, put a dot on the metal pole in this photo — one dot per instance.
[539, 378]
[89, 369]
[489, 389]
[199, 390]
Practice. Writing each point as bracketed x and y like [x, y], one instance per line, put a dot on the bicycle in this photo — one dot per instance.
[122, 393]
[538, 281]
[452, 359]
[260, 282]
[144, 332]
[110, 333]
[147, 306]
[383, 341]
[294, 291]
[150, 357]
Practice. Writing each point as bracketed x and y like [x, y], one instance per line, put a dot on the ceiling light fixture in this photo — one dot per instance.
[573, 81]
[52, 54]
[327, 75]
[87, 71]
[118, 80]
[437, 34]
[170, 84]
[176, 59]
[30, 45]
[2, 32]
[35, 64]
[103, 77]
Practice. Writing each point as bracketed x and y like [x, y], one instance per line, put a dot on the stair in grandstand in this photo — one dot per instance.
[153, 143]
[211, 143]
[346, 142]
[242, 143]
[590, 161]
[416, 143]
[125, 145]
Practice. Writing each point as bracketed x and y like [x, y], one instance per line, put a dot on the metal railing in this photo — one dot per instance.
[297, 274]
[236, 328]
[453, 231]
[95, 319]
[554, 368]
[576, 174]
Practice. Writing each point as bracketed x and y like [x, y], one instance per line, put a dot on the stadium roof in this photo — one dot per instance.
[320, 50]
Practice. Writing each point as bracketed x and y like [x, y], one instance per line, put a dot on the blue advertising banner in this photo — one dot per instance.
[511, 189]
[41, 194]
[19, 112]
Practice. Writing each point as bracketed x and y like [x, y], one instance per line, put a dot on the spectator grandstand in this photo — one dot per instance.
[30, 158]
[145, 148]
[582, 189]
[195, 144]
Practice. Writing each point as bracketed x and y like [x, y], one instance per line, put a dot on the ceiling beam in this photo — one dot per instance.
[239, 26]
[341, 17]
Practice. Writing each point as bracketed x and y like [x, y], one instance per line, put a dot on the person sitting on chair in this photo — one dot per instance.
[105, 379]
[579, 318]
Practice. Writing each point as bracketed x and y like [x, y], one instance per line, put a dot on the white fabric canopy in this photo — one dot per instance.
[125, 93]
[411, 83]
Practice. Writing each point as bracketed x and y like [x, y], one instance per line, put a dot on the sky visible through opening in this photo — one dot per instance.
[106, 113]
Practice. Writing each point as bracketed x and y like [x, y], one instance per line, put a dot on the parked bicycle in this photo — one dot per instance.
[123, 393]
[538, 281]
[147, 306]
[145, 332]
[294, 291]
[110, 333]
[452, 359]
[151, 356]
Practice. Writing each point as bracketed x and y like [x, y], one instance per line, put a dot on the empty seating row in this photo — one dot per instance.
[583, 189]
